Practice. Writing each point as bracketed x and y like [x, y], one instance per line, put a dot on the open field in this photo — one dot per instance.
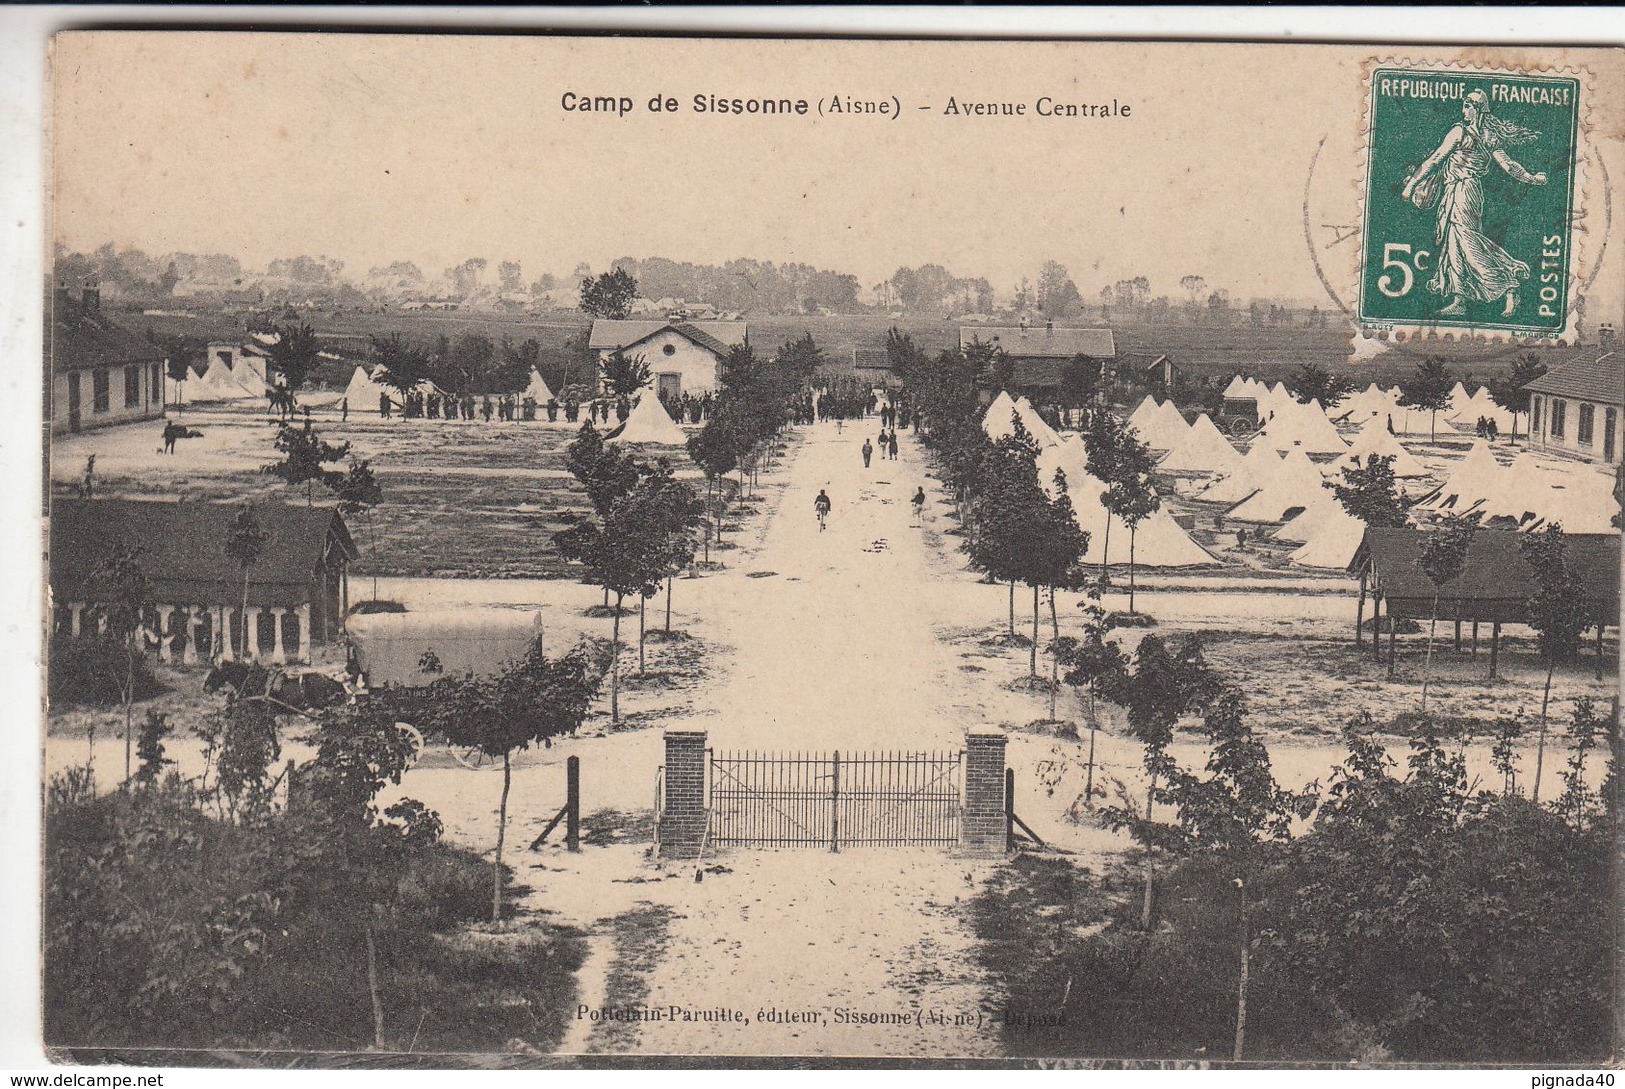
[462, 498]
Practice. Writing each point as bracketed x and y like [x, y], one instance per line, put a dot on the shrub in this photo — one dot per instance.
[91, 671]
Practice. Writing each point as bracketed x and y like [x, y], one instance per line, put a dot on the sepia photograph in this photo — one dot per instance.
[613, 551]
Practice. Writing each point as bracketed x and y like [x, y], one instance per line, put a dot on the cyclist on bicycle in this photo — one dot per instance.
[821, 506]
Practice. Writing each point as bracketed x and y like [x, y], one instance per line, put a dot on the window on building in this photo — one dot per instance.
[1588, 422]
[100, 384]
[155, 388]
[132, 386]
[1560, 411]
[1534, 415]
[1610, 431]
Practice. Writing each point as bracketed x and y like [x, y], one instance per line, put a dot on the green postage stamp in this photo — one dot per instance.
[1469, 201]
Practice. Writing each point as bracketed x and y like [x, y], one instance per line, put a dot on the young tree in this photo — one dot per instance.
[1131, 498]
[625, 374]
[1429, 390]
[802, 357]
[245, 545]
[713, 451]
[532, 700]
[609, 295]
[624, 550]
[1556, 612]
[1007, 513]
[1509, 392]
[1168, 682]
[403, 365]
[1444, 552]
[1312, 382]
[1094, 666]
[676, 509]
[294, 355]
[1579, 806]
[1051, 551]
[1232, 813]
[359, 493]
[1371, 493]
[305, 456]
[121, 591]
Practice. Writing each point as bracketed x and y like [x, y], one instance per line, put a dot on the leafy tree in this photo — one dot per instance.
[533, 700]
[625, 550]
[1131, 497]
[1509, 392]
[713, 451]
[1232, 813]
[1094, 666]
[802, 357]
[404, 365]
[1057, 295]
[1444, 552]
[294, 355]
[1006, 515]
[677, 514]
[245, 544]
[1579, 806]
[606, 471]
[1429, 390]
[1371, 493]
[1312, 382]
[305, 457]
[359, 493]
[1556, 612]
[609, 295]
[1168, 682]
[1504, 754]
[1453, 926]
[624, 375]
[121, 592]
[1080, 382]
[1050, 552]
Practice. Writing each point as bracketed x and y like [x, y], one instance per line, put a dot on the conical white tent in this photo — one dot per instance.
[363, 392]
[1300, 528]
[996, 422]
[1475, 478]
[1580, 500]
[1042, 433]
[216, 384]
[1461, 404]
[1520, 490]
[1334, 542]
[1302, 427]
[537, 389]
[1374, 439]
[1171, 425]
[1257, 466]
[1484, 405]
[1158, 541]
[1069, 456]
[650, 422]
[1202, 449]
[1144, 417]
[1238, 387]
[1296, 483]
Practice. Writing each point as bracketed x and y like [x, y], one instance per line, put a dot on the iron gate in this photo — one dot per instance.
[887, 799]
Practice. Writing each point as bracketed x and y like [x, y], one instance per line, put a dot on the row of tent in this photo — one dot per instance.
[365, 388]
[1158, 542]
[1376, 402]
[222, 382]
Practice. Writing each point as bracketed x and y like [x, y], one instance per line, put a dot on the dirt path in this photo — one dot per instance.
[835, 650]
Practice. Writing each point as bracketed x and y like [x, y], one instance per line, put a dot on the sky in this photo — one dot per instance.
[373, 148]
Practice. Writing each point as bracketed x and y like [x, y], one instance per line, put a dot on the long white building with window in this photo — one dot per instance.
[1576, 408]
[100, 373]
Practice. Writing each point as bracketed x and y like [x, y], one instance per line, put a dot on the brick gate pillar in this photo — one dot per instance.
[982, 830]
[682, 814]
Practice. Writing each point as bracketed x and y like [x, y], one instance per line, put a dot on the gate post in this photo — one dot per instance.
[682, 821]
[982, 826]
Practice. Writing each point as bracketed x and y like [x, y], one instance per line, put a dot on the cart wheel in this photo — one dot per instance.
[473, 758]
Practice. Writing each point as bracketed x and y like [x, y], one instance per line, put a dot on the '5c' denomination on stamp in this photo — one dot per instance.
[1469, 200]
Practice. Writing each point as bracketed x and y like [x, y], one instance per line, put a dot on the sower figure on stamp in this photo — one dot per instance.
[1471, 265]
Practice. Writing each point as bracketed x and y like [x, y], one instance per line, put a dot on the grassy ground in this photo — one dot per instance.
[639, 941]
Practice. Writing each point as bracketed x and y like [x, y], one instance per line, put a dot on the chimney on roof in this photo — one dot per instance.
[91, 298]
[1605, 335]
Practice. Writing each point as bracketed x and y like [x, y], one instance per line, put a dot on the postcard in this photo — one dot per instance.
[631, 551]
